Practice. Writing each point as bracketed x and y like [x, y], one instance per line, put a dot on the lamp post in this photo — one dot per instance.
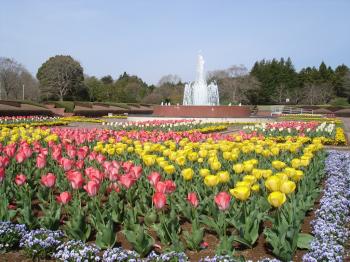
[23, 92]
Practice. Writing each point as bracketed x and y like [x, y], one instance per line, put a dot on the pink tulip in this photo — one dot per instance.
[10, 150]
[100, 158]
[170, 186]
[153, 178]
[27, 151]
[64, 197]
[75, 178]
[20, 157]
[113, 187]
[80, 164]
[94, 174]
[159, 200]
[223, 200]
[127, 166]
[4, 161]
[2, 174]
[82, 152]
[40, 161]
[66, 163]
[192, 199]
[137, 171]
[20, 179]
[160, 187]
[92, 187]
[49, 180]
[127, 180]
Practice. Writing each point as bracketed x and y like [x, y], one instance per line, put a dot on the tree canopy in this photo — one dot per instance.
[59, 76]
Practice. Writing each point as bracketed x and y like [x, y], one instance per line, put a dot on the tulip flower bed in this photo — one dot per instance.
[169, 125]
[17, 121]
[156, 191]
[327, 132]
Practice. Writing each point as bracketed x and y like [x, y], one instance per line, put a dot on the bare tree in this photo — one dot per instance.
[10, 72]
[13, 76]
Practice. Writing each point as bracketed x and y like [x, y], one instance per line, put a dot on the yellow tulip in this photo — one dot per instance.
[273, 183]
[288, 187]
[255, 187]
[187, 173]
[193, 156]
[238, 168]
[275, 151]
[282, 176]
[181, 160]
[250, 179]
[278, 164]
[215, 165]
[200, 160]
[204, 172]
[226, 155]
[224, 176]
[277, 198]
[169, 169]
[242, 183]
[242, 192]
[203, 153]
[257, 173]
[299, 174]
[211, 180]
[248, 167]
[290, 171]
[149, 160]
[266, 173]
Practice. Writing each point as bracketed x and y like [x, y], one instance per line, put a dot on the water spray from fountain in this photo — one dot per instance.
[199, 92]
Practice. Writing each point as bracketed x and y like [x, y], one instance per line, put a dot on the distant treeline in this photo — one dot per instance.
[268, 82]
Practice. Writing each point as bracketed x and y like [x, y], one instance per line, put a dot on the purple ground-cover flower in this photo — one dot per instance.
[41, 243]
[330, 226]
[76, 251]
[10, 235]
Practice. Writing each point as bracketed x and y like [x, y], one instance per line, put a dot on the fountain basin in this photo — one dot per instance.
[202, 111]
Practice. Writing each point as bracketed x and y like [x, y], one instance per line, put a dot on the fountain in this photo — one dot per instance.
[199, 93]
[201, 100]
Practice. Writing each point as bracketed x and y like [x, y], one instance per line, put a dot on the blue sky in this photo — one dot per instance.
[152, 38]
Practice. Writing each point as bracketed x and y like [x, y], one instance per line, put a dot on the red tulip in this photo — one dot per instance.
[20, 157]
[49, 180]
[137, 171]
[223, 200]
[76, 179]
[20, 179]
[64, 197]
[159, 200]
[170, 186]
[153, 178]
[4, 161]
[160, 187]
[92, 187]
[2, 174]
[127, 180]
[192, 199]
[40, 161]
